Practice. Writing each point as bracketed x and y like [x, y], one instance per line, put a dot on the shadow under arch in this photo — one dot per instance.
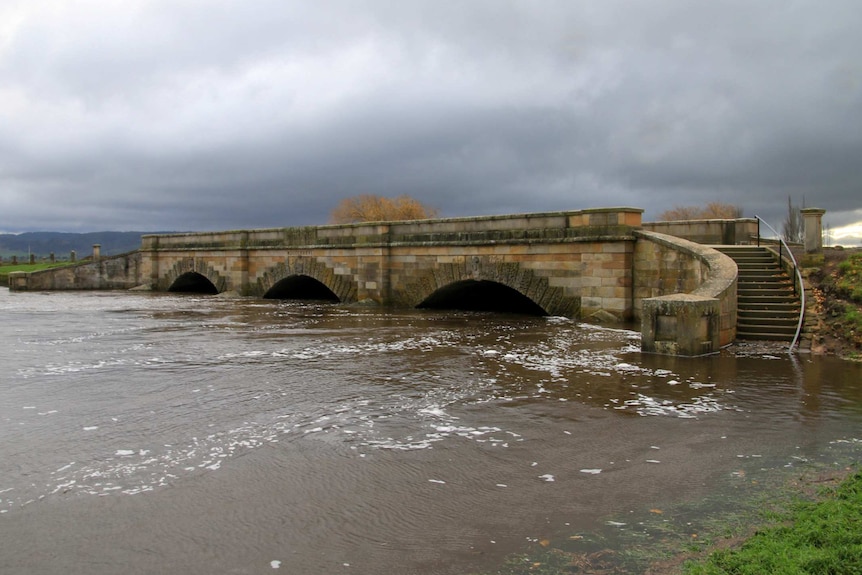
[193, 282]
[341, 286]
[481, 295]
[301, 287]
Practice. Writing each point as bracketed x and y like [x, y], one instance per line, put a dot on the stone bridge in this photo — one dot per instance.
[596, 264]
[570, 264]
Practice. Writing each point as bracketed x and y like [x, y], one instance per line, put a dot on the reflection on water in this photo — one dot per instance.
[151, 432]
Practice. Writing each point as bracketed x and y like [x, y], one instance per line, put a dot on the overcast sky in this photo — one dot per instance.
[224, 114]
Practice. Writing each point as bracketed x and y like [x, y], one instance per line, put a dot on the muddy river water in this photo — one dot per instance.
[162, 433]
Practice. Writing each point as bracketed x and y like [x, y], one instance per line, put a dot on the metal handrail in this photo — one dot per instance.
[798, 278]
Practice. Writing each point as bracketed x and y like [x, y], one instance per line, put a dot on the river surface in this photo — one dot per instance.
[164, 433]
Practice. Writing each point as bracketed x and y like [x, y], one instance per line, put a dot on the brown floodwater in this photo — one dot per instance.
[151, 433]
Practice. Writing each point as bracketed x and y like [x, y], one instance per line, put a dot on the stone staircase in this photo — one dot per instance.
[767, 304]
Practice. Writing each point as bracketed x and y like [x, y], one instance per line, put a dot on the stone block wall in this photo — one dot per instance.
[571, 278]
[686, 295]
[568, 262]
[116, 272]
[742, 231]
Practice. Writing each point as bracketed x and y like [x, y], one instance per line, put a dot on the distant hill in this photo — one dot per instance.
[61, 244]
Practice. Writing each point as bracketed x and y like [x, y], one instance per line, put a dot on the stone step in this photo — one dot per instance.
[768, 279]
[753, 301]
[767, 302]
[786, 313]
[754, 295]
[787, 321]
[760, 336]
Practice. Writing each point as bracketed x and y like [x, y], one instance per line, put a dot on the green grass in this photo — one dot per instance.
[849, 278]
[755, 512]
[6, 269]
[843, 296]
[813, 537]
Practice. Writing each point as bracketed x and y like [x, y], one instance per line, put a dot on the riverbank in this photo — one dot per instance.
[814, 536]
[837, 290]
[771, 523]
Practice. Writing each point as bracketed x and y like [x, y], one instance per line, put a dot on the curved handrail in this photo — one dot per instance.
[798, 278]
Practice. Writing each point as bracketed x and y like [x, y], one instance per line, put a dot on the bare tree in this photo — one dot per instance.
[712, 211]
[371, 208]
[794, 226]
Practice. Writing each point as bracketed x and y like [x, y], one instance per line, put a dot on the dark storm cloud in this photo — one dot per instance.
[226, 114]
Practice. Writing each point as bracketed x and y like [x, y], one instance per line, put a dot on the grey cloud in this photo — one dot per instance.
[180, 115]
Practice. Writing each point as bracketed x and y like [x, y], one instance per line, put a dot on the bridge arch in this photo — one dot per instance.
[192, 275]
[481, 295]
[303, 274]
[508, 286]
[300, 286]
[193, 282]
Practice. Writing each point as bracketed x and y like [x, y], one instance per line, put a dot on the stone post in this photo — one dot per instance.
[32, 259]
[14, 260]
[73, 257]
[813, 220]
[52, 259]
[97, 252]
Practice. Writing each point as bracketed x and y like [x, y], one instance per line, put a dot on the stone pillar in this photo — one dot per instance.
[97, 252]
[32, 259]
[813, 218]
[52, 259]
[14, 260]
[19, 281]
[73, 257]
[681, 324]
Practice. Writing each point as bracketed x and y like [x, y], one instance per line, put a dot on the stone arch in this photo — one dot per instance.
[300, 287]
[194, 265]
[482, 295]
[193, 282]
[550, 299]
[341, 285]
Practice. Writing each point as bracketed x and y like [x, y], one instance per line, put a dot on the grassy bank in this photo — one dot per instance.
[794, 523]
[838, 292]
[821, 536]
[5, 270]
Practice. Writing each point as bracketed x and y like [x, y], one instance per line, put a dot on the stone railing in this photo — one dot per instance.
[518, 228]
[687, 295]
[100, 273]
[742, 231]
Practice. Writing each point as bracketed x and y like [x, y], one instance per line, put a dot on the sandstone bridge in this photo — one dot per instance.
[599, 265]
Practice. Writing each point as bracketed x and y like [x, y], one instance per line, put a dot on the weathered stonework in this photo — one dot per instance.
[591, 264]
[742, 231]
[116, 272]
[686, 294]
[569, 263]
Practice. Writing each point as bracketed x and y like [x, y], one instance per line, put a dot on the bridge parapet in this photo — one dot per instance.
[686, 295]
[518, 228]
